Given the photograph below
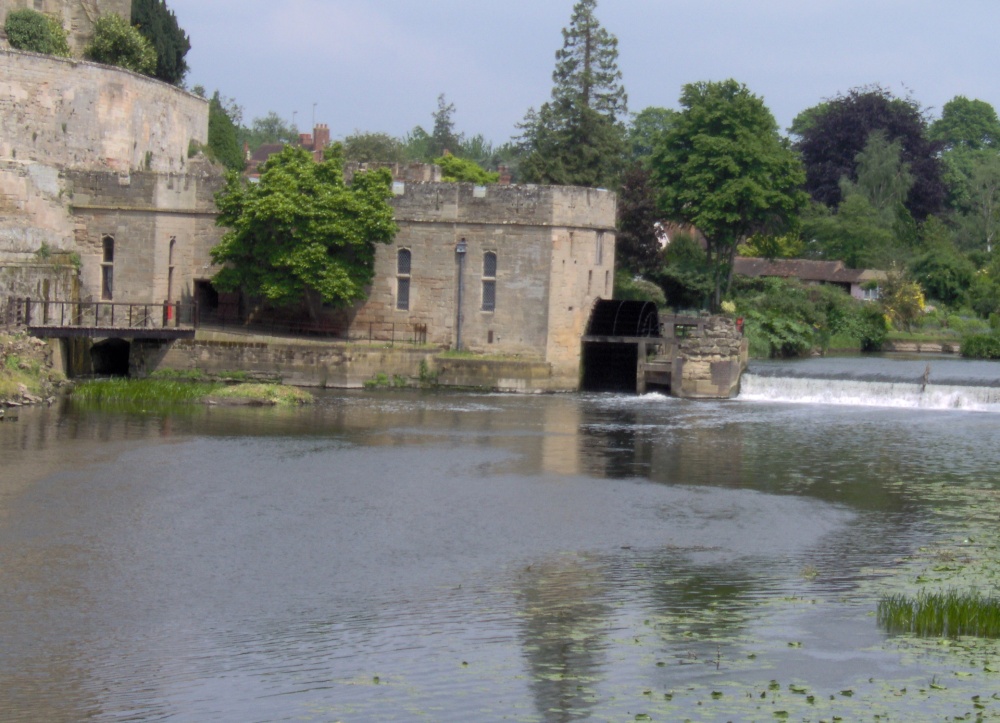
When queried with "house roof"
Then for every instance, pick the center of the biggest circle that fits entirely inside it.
(805, 269)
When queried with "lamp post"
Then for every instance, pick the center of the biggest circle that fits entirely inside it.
(460, 248)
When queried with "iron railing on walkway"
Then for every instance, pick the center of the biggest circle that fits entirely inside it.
(99, 315)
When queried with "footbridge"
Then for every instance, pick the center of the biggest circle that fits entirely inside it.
(103, 319)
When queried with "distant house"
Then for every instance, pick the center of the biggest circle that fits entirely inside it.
(860, 283)
(314, 142)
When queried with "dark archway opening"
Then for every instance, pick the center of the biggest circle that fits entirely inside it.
(610, 367)
(110, 357)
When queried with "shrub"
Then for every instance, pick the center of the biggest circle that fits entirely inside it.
(981, 346)
(118, 43)
(35, 32)
(636, 288)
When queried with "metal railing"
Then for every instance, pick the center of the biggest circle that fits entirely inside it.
(101, 314)
(390, 333)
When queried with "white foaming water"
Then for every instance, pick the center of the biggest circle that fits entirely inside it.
(852, 392)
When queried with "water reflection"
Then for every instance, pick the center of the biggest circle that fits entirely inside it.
(447, 556)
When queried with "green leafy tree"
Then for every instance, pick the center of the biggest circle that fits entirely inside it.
(856, 234)
(223, 135)
(462, 170)
(36, 32)
(272, 128)
(118, 43)
(158, 25)
(683, 273)
(301, 235)
(773, 246)
(723, 168)
(883, 178)
(373, 147)
(646, 127)
(418, 145)
(901, 298)
(578, 137)
(974, 181)
(969, 124)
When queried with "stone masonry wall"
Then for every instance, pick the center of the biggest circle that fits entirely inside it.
(162, 226)
(709, 366)
(79, 115)
(77, 16)
(550, 268)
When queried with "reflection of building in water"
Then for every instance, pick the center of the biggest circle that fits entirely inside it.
(564, 631)
(700, 452)
(560, 437)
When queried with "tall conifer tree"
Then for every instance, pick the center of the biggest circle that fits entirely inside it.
(578, 137)
(158, 24)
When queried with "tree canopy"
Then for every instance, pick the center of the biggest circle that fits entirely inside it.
(223, 135)
(832, 134)
(723, 168)
(271, 128)
(578, 138)
(158, 25)
(301, 235)
(964, 123)
(463, 170)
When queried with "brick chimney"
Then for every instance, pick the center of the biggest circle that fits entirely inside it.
(505, 176)
(321, 136)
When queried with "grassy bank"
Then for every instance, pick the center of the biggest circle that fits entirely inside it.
(129, 393)
(26, 373)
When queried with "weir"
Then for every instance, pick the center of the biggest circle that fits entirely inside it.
(905, 383)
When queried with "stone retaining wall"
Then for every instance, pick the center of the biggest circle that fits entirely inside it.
(709, 366)
(339, 365)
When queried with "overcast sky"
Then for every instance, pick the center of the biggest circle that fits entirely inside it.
(379, 65)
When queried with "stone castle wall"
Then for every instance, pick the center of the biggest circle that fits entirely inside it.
(80, 115)
(77, 16)
(550, 268)
(162, 224)
(88, 151)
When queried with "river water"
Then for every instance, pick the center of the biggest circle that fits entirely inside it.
(404, 556)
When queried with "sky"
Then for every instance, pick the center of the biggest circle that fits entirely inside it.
(380, 65)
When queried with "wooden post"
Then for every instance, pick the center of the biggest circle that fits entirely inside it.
(27, 311)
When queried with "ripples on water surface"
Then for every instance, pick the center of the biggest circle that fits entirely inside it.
(406, 556)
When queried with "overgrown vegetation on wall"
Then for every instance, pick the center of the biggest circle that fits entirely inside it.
(36, 32)
(118, 43)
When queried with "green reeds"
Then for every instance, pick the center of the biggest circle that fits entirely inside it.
(140, 392)
(945, 614)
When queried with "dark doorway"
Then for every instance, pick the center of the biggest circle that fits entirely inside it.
(610, 367)
(109, 358)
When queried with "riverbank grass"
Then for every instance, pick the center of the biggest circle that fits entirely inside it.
(165, 392)
(941, 614)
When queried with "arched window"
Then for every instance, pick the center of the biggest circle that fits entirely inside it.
(107, 267)
(489, 281)
(403, 279)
